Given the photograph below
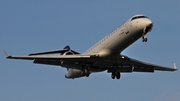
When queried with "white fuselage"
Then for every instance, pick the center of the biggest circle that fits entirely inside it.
(121, 38)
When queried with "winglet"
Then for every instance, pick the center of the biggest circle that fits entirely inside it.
(175, 67)
(5, 54)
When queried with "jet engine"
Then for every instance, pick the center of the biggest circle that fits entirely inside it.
(74, 69)
(74, 73)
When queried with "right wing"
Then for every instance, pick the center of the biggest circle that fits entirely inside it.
(32, 57)
(55, 60)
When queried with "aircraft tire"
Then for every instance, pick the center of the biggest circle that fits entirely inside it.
(118, 75)
(145, 40)
(113, 75)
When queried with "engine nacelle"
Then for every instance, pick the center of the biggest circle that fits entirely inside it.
(73, 68)
(73, 73)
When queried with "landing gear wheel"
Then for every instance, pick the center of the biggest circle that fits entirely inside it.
(118, 75)
(87, 75)
(113, 75)
(144, 40)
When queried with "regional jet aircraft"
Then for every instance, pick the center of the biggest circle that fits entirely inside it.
(105, 55)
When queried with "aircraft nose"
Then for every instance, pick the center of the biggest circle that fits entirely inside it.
(149, 25)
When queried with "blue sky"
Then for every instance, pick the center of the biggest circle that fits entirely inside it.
(42, 25)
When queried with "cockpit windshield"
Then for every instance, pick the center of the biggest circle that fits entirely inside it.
(137, 17)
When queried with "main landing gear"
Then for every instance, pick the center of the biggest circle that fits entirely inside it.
(86, 71)
(116, 75)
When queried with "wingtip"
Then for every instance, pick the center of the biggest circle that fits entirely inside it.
(6, 55)
(175, 67)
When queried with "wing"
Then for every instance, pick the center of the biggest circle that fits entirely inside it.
(140, 66)
(32, 57)
(54, 60)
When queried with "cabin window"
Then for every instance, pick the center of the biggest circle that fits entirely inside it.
(127, 32)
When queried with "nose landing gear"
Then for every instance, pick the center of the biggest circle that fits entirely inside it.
(144, 39)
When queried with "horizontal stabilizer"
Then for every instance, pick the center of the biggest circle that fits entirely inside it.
(54, 52)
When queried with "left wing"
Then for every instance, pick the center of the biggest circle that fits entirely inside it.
(139, 66)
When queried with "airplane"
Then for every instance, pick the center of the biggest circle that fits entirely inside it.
(105, 55)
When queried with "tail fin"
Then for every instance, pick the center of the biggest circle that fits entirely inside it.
(67, 47)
